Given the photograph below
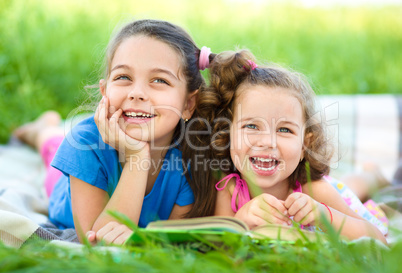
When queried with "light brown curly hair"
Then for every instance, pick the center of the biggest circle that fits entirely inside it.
(230, 70)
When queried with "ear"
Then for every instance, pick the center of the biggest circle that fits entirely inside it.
(102, 87)
(189, 107)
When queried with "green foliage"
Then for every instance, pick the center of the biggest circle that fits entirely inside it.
(241, 256)
(236, 254)
(50, 50)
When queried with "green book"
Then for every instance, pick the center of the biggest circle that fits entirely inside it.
(212, 228)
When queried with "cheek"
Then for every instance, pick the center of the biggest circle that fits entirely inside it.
(293, 149)
(170, 105)
(238, 149)
(235, 140)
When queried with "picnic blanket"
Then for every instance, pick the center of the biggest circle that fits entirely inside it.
(364, 128)
(23, 202)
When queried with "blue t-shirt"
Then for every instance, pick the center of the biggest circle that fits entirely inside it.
(84, 155)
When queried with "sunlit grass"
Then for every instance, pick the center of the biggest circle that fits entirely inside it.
(49, 50)
(237, 256)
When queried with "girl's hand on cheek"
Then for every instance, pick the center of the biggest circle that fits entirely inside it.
(112, 133)
(263, 209)
(302, 207)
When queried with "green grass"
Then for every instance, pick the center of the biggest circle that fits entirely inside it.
(49, 50)
(237, 256)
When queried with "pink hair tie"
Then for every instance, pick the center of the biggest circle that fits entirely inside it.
(203, 60)
(252, 65)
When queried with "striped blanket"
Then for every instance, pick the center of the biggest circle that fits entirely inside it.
(364, 128)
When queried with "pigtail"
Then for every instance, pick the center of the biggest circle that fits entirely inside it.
(227, 72)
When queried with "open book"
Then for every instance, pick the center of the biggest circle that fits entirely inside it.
(212, 228)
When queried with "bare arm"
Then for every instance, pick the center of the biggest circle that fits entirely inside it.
(178, 212)
(87, 203)
(223, 206)
(90, 204)
(352, 226)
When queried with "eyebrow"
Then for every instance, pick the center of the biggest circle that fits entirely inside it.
(165, 71)
(155, 70)
(245, 119)
(119, 66)
(289, 122)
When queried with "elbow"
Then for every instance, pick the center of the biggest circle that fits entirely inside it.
(370, 231)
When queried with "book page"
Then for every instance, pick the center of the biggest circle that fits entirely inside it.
(287, 233)
(218, 223)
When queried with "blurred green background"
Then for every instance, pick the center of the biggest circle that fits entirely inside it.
(51, 49)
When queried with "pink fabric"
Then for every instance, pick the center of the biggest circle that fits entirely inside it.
(241, 192)
(252, 64)
(48, 150)
(203, 60)
(298, 187)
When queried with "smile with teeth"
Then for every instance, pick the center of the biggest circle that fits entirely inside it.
(264, 164)
(139, 115)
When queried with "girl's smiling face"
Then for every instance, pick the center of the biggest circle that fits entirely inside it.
(266, 136)
(147, 83)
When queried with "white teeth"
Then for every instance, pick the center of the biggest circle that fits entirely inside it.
(139, 114)
(263, 159)
(265, 169)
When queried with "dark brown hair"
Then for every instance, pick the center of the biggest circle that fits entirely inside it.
(180, 41)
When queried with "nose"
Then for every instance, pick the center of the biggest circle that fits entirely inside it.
(137, 92)
(267, 140)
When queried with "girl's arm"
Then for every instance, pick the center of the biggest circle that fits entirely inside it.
(223, 205)
(87, 203)
(343, 217)
(90, 204)
(262, 209)
(116, 233)
(178, 212)
(130, 191)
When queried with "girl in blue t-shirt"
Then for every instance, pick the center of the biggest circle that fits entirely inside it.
(126, 157)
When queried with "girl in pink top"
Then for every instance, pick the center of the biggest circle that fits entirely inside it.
(266, 127)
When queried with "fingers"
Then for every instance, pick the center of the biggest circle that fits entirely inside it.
(91, 236)
(276, 209)
(301, 207)
(114, 124)
(108, 127)
(295, 202)
(113, 233)
(101, 119)
(266, 208)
